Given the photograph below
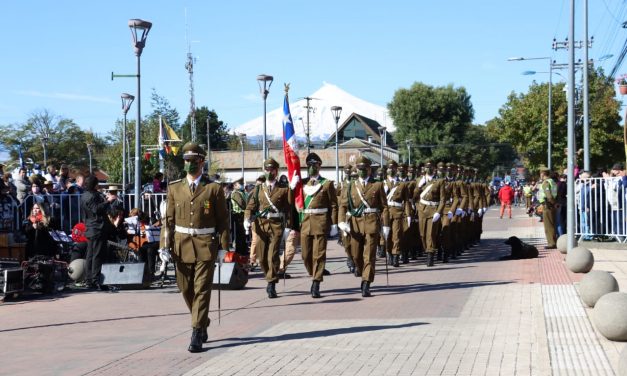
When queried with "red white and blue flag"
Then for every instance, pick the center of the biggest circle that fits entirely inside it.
(290, 150)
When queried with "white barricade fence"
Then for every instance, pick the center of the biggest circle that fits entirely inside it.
(601, 205)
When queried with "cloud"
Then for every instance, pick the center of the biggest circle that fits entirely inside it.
(65, 96)
(255, 98)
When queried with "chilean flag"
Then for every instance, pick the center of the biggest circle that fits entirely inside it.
(290, 150)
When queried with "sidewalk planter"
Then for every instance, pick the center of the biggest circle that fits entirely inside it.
(596, 284)
(562, 243)
(610, 316)
(579, 260)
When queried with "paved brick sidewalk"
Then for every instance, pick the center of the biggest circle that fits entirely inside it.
(474, 316)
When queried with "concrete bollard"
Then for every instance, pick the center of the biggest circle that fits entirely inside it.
(579, 260)
(596, 284)
(562, 243)
(610, 316)
(622, 362)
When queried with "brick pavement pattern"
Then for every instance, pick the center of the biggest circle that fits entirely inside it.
(477, 315)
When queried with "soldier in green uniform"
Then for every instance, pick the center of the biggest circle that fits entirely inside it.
(460, 213)
(270, 209)
(451, 200)
(399, 209)
(319, 216)
(363, 212)
(411, 237)
(430, 194)
(196, 216)
(238, 205)
(547, 198)
(345, 236)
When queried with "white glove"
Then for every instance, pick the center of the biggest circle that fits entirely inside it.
(459, 212)
(295, 180)
(164, 255)
(485, 210)
(408, 221)
(333, 231)
(286, 233)
(247, 226)
(344, 227)
(436, 217)
(386, 232)
(480, 212)
(449, 215)
(463, 214)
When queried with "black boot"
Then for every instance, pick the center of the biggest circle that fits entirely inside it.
(454, 254)
(350, 264)
(396, 261)
(439, 255)
(406, 257)
(445, 254)
(196, 343)
(205, 335)
(365, 289)
(315, 289)
(357, 272)
(271, 290)
(380, 252)
(430, 258)
(414, 254)
(390, 259)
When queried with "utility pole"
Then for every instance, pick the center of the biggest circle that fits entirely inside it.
(307, 128)
(189, 65)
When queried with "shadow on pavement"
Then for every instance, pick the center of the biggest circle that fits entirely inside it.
(313, 334)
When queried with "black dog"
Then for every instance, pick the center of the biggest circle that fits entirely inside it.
(520, 249)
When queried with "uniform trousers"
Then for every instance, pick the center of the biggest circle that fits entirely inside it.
(269, 235)
(195, 281)
(364, 248)
(393, 242)
(314, 248)
(429, 231)
(548, 217)
(446, 232)
(290, 249)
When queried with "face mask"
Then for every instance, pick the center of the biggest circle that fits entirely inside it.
(403, 174)
(191, 167)
(362, 173)
(312, 170)
(391, 172)
(270, 175)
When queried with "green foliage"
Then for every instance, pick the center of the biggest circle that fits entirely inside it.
(218, 133)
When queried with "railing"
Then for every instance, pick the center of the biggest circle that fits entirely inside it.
(600, 208)
(65, 208)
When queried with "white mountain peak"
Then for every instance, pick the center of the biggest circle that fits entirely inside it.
(321, 121)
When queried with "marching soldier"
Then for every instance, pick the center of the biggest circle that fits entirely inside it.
(195, 217)
(345, 236)
(430, 195)
(411, 236)
(459, 219)
(238, 205)
(546, 197)
(363, 212)
(319, 215)
(270, 209)
(400, 212)
(451, 200)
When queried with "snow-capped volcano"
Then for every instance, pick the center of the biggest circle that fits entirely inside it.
(321, 122)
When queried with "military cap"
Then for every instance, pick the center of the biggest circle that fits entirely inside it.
(240, 180)
(348, 166)
(192, 150)
(313, 158)
(402, 166)
(451, 165)
(411, 168)
(363, 162)
(270, 163)
(392, 163)
(441, 165)
(428, 163)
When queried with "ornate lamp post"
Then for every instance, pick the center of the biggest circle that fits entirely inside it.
(90, 146)
(336, 111)
(382, 137)
(265, 82)
(127, 100)
(242, 137)
(139, 32)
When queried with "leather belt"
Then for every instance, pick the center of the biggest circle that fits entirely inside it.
(395, 204)
(429, 203)
(371, 210)
(195, 231)
(272, 215)
(316, 211)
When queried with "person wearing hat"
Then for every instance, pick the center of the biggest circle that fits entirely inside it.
(430, 197)
(195, 218)
(364, 212)
(547, 198)
(270, 210)
(411, 237)
(318, 217)
(399, 209)
(345, 236)
(451, 200)
(116, 202)
(239, 197)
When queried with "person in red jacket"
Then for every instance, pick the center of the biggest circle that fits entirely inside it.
(506, 195)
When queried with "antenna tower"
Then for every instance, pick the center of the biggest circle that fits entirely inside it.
(189, 65)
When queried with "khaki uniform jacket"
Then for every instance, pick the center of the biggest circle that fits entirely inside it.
(451, 198)
(411, 189)
(204, 209)
(434, 194)
(400, 195)
(238, 202)
(282, 199)
(375, 197)
(323, 198)
(462, 196)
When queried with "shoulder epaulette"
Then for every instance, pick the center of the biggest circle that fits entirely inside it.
(175, 181)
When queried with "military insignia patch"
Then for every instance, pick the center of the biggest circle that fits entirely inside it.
(207, 205)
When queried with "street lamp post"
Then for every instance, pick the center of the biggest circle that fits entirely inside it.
(381, 138)
(242, 136)
(44, 144)
(139, 32)
(265, 82)
(336, 111)
(90, 145)
(408, 142)
(127, 100)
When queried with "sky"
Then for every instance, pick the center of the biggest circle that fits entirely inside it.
(59, 55)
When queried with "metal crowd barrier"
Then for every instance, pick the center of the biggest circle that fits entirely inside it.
(601, 205)
(65, 208)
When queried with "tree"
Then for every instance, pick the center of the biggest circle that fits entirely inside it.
(218, 133)
(429, 115)
(523, 121)
(66, 141)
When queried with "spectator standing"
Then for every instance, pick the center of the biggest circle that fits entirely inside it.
(22, 185)
(506, 195)
(583, 195)
(36, 227)
(615, 195)
(64, 178)
(52, 176)
(157, 183)
(560, 207)
(546, 197)
(7, 179)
